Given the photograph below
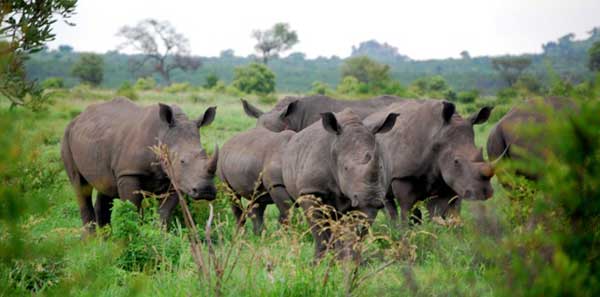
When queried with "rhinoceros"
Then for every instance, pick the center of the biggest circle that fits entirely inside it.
(339, 161)
(297, 113)
(505, 141)
(107, 148)
(431, 153)
(250, 165)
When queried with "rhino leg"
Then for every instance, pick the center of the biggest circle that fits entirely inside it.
(129, 187)
(404, 192)
(391, 209)
(86, 209)
(283, 202)
(257, 213)
(166, 208)
(238, 210)
(318, 227)
(102, 207)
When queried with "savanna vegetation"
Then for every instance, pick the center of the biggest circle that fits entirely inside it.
(533, 238)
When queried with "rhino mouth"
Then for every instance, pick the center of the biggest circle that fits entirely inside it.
(484, 194)
(207, 194)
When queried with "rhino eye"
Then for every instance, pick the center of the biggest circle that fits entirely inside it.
(182, 161)
(456, 162)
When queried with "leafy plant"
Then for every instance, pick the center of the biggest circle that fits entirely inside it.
(255, 78)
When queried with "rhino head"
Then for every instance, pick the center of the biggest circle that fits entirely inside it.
(356, 157)
(283, 117)
(193, 170)
(460, 162)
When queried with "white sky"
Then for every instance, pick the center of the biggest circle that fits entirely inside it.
(421, 29)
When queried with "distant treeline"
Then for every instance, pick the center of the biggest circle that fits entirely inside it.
(295, 73)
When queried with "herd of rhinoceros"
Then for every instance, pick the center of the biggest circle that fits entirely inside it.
(362, 155)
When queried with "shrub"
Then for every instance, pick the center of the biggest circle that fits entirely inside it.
(220, 87)
(147, 246)
(267, 99)
(349, 85)
(53, 83)
(366, 71)
(254, 78)
(434, 86)
(145, 83)
(127, 90)
(394, 87)
(177, 88)
(320, 88)
(507, 94)
(211, 81)
(89, 69)
(467, 97)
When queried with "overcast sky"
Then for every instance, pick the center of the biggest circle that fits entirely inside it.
(421, 29)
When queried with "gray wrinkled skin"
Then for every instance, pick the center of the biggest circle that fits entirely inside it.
(242, 160)
(339, 161)
(504, 136)
(107, 148)
(297, 113)
(431, 153)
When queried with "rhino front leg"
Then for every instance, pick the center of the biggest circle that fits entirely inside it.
(283, 202)
(166, 208)
(102, 208)
(404, 192)
(129, 189)
(391, 209)
(318, 226)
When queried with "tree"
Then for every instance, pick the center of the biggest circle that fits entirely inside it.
(25, 27)
(160, 46)
(511, 68)
(465, 55)
(89, 68)
(366, 70)
(272, 42)
(378, 51)
(65, 48)
(594, 57)
(254, 78)
(211, 81)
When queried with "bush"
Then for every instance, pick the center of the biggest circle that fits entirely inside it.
(554, 250)
(396, 88)
(147, 246)
(127, 90)
(89, 69)
(255, 78)
(177, 88)
(349, 85)
(220, 87)
(507, 94)
(320, 88)
(53, 83)
(145, 83)
(211, 81)
(367, 71)
(467, 97)
(434, 86)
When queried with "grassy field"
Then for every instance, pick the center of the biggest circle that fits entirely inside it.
(446, 258)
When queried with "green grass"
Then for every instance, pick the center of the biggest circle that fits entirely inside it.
(448, 260)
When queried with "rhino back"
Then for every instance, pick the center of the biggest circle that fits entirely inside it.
(111, 139)
(306, 162)
(403, 147)
(244, 157)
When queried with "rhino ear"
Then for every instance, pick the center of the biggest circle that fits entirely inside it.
(386, 125)
(207, 118)
(250, 110)
(289, 109)
(481, 116)
(448, 111)
(330, 123)
(166, 114)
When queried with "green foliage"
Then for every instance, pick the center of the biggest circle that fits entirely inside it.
(127, 90)
(271, 42)
(553, 250)
(53, 83)
(24, 29)
(320, 88)
(375, 75)
(507, 94)
(529, 85)
(175, 88)
(594, 57)
(89, 69)
(254, 78)
(433, 87)
(145, 83)
(147, 246)
(467, 97)
(349, 85)
(511, 68)
(211, 81)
